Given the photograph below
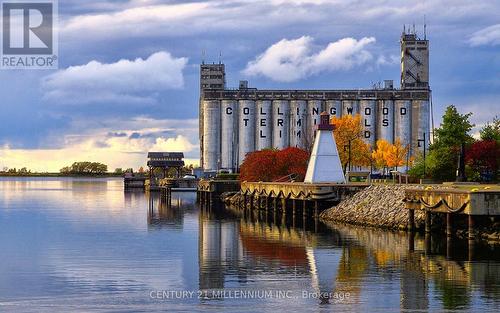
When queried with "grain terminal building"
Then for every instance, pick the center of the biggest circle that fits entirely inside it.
(234, 122)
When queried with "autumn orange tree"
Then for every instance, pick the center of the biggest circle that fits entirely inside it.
(387, 155)
(349, 128)
(271, 164)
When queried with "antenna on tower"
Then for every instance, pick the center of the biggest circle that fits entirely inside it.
(425, 29)
(404, 28)
(414, 32)
(220, 57)
(203, 56)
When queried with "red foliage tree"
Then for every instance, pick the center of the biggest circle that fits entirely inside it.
(269, 165)
(483, 156)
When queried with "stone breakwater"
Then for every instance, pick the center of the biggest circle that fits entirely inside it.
(375, 206)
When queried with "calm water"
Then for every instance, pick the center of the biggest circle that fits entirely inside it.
(81, 245)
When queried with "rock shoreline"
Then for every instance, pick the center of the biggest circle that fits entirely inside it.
(376, 206)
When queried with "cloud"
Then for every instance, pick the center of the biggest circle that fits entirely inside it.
(390, 60)
(176, 144)
(486, 36)
(116, 142)
(126, 81)
(292, 60)
(146, 18)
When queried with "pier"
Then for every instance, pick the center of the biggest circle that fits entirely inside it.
(134, 182)
(285, 198)
(313, 198)
(452, 202)
(210, 190)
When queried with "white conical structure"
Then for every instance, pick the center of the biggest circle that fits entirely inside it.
(324, 164)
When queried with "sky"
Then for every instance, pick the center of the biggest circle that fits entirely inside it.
(128, 72)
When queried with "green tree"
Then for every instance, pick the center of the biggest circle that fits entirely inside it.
(442, 163)
(442, 159)
(491, 131)
(455, 129)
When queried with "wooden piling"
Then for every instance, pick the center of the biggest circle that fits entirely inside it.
(411, 241)
(427, 244)
(427, 221)
(449, 247)
(411, 220)
(471, 227)
(449, 224)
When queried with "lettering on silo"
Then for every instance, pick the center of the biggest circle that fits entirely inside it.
(368, 112)
(246, 111)
(299, 123)
(386, 120)
(385, 113)
(262, 124)
(280, 122)
(315, 111)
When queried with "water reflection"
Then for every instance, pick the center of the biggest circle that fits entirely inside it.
(340, 259)
(169, 214)
(64, 242)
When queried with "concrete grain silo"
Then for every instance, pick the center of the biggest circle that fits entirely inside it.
(246, 123)
(298, 124)
(350, 107)
(402, 121)
(334, 108)
(314, 109)
(229, 135)
(420, 125)
(264, 124)
(385, 120)
(211, 134)
(281, 124)
(368, 111)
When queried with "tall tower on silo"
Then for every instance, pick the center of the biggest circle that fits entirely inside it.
(212, 77)
(414, 61)
(415, 76)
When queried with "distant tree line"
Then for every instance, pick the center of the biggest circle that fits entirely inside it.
(85, 168)
(15, 172)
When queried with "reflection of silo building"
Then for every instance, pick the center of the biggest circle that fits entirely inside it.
(234, 122)
(219, 246)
